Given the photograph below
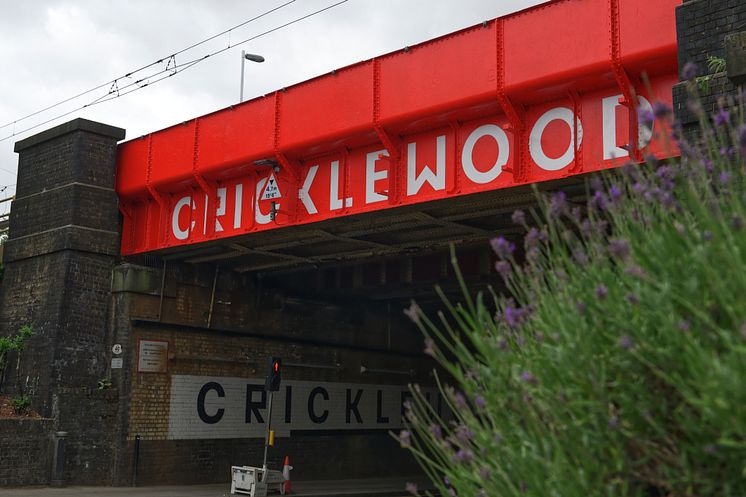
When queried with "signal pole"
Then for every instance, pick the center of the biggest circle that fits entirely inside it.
(269, 429)
(271, 385)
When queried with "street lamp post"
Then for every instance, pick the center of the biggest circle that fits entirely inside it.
(244, 57)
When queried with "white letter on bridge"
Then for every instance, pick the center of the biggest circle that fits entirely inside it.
(334, 201)
(644, 134)
(371, 176)
(534, 139)
(303, 192)
(178, 232)
(467, 161)
(436, 179)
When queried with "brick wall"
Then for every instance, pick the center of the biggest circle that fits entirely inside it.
(701, 26)
(63, 241)
(25, 451)
(242, 335)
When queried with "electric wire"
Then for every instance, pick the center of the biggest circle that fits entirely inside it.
(171, 71)
(115, 81)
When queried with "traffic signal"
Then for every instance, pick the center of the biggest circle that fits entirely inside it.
(274, 368)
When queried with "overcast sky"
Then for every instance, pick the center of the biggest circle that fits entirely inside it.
(54, 49)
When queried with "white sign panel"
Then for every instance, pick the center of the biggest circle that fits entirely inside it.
(117, 363)
(153, 356)
(272, 190)
(219, 407)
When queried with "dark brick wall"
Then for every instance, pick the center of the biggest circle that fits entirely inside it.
(64, 239)
(89, 416)
(701, 26)
(25, 451)
(247, 326)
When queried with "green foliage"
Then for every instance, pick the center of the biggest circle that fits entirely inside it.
(14, 343)
(104, 384)
(21, 403)
(616, 365)
(714, 66)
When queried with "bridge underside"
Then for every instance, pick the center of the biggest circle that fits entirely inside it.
(395, 254)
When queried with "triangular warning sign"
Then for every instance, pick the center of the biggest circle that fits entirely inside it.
(271, 189)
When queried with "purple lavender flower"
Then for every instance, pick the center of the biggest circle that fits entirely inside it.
(601, 291)
(645, 117)
(413, 312)
(479, 402)
(429, 347)
(502, 247)
(528, 378)
(619, 248)
(412, 488)
(502, 344)
(722, 117)
(632, 299)
(625, 342)
(727, 152)
(512, 316)
(504, 268)
(518, 217)
(459, 400)
(598, 201)
(689, 72)
(614, 193)
(558, 204)
(737, 222)
(710, 448)
(684, 325)
(724, 177)
(707, 235)
(452, 492)
(636, 271)
(436, 431)
(405, 438)
(580, 256)
(464, 434)
(534, 237)
(613, 423)
(580, 306)
(661, 110)
(464, 456)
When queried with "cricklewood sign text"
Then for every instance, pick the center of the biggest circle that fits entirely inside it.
(219, 407)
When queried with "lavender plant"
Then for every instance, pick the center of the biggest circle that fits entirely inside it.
(615, 363)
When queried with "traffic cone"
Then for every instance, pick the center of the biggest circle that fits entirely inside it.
(286, 467)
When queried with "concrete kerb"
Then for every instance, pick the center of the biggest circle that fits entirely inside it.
(324, 488)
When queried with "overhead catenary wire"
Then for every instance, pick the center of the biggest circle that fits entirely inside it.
(112, 84)
(168, 72)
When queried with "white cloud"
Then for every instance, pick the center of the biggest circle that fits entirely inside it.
(52, 49)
